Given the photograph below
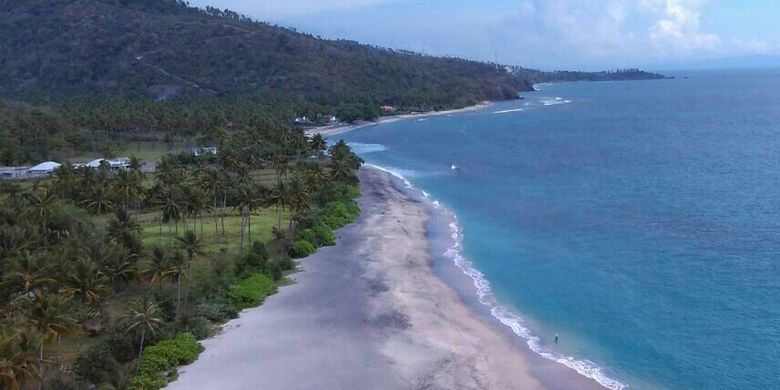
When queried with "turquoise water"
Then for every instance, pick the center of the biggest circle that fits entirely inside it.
(638, 220)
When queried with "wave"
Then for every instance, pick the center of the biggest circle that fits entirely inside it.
(504, 315)
(360, 148)
(555, 101)
(508, 111)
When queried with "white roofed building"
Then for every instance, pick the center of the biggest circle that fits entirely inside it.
(44, 168)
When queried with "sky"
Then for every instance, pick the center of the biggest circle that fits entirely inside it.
(545, 34)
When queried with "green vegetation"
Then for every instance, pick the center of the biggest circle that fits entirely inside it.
(251, 291)
(159, 364)
(108, 278)
(193, 53)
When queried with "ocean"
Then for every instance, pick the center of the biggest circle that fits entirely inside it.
(637, 220)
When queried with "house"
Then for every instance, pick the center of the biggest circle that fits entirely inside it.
(13, 172)
(204, 151)
(113, 164)
(44, 168)
(119, 163)
(94, 164)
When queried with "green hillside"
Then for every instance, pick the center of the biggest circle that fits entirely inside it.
(162, 48)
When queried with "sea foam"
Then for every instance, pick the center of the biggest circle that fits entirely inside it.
(486, 297)
(508, 111)
(360, 148)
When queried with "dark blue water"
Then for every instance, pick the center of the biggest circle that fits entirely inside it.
(638, 220)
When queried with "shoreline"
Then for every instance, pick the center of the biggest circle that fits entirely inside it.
(341, 128)
(369, 312)
(450, 265)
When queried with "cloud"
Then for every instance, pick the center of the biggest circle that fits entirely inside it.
(678, 29)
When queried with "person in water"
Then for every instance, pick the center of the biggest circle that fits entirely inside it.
(556, 338)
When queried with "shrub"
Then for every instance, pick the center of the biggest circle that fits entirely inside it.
(96, 365)
(199, 327)
(285, 263)
(251, 291)
(307, 235)
(339, 213)
(324, 235)
(301, 248)
(216, 311)
(121, 346)
(273, 271)
(159, 359)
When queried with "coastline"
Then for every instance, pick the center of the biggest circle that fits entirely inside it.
(341, 128)
(369, 312)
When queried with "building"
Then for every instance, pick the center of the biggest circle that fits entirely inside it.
(44, 168)
(204, 151)
(13, 172)
(113, 164)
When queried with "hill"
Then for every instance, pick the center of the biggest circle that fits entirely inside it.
(159, 48)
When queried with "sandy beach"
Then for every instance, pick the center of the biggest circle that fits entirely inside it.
(370, 313)
(341, 128)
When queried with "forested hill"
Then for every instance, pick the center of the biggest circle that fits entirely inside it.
(160, 48)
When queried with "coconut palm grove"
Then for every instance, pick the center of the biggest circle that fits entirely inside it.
(109, 278)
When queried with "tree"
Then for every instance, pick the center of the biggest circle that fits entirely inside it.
(248, 199)
(85, 281)
(192, 246)
(42, 201)
(18, 362)
(177, 265)
(50, 316)
(158, 268)
(144, 316)
(298, 200)
(128, 186)
(99, 199)
(26, 273)
(124, 230)
(318, 144)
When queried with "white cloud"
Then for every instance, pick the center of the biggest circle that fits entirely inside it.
(678, 30)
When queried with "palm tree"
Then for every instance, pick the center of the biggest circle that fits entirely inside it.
(169, 200)
(211, 180)
(315, 178)
(248, 198)
(128, 186)
(64, 179)
(342, 171)
(178, 264)
(125, 230)
(18, 362)
(144, 316)
(298, 200)
(99, 199)
(49, 315)
(85, 281)
(318, 144)
(41, 200)
(158, 268)
(278, 197)
(192, 246)
(26, 273)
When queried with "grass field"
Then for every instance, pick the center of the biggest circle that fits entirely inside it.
(214, 241)
(144, 150)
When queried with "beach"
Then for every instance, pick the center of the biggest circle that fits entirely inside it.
(368, 313)
(341, 128)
